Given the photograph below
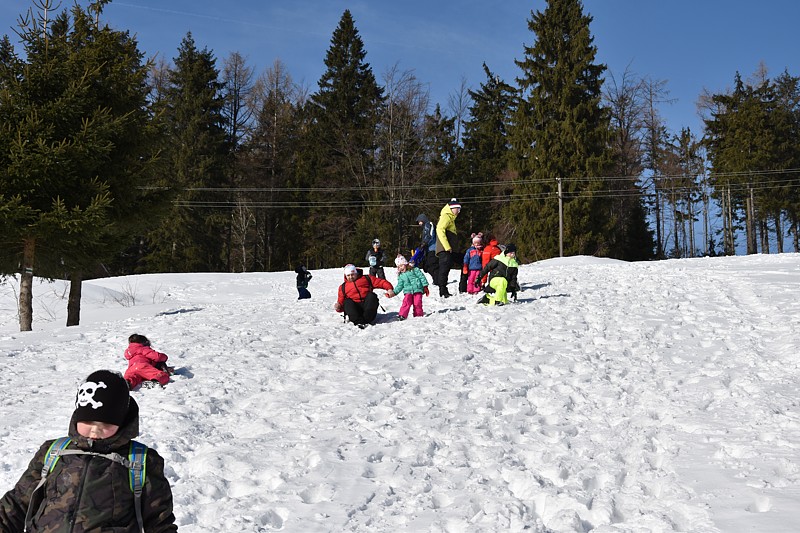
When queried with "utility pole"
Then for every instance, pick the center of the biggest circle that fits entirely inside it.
(560, 220)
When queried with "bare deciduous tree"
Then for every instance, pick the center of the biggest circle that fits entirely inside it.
(458, 103)
(400, 137)
(655, 142)
(626, 100)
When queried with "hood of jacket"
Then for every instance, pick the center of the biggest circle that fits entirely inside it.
(423, 218)
(447, 212)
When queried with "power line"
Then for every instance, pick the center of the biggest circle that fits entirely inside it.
(416, 202)
(497, 183)
(660, 185)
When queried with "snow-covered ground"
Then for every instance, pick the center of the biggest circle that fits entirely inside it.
(611, 397)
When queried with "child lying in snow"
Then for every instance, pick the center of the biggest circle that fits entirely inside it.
(145, 365)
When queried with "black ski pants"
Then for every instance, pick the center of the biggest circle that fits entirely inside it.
(362, 312)
(377, 271)
(430, 264)
(445, 262)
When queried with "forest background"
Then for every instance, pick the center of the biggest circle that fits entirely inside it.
(114, 163)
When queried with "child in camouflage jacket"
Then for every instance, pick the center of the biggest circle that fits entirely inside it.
(85, 490)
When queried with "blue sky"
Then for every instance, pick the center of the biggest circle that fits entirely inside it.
(692, 45)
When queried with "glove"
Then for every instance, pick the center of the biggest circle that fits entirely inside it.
(426, 291)
(477, 283)
(337, 307)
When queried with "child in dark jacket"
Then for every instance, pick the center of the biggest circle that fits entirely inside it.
(374, 259)
(303, 277)
(413, 283)
(88, 487)
(145, 365)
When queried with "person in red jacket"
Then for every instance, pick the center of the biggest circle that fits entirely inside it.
(145, 365)
(488, 253)
(357, 298)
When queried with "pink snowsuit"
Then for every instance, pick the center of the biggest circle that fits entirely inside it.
(140, 365)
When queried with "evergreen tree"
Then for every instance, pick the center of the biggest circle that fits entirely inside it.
(787, 121)
(486, 149)
(193, 234)
(73, 126)
(745, 137)
(443, 164)
(442, 149)
(561, 132)
(345, 113)
(120, 86)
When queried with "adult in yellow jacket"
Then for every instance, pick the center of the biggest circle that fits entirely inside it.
(446, 241)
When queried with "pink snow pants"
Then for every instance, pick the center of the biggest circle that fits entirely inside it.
(139, 372)
(471, 288)
(414, 299)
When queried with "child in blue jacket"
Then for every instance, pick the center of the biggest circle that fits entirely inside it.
(413, 283)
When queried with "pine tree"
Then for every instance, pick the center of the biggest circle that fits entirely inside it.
(345, 113)
(560, 132)
(193, 234)
(444, 164)
(440, 139)
(787, 122)
(74, 147)
(120, 86)
(486, 149)
(745, 138)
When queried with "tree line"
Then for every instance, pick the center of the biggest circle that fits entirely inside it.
(112, 164)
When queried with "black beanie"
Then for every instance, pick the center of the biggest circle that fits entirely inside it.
(103, 397)
(510, 248)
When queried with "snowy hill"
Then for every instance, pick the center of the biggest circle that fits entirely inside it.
(611, 397)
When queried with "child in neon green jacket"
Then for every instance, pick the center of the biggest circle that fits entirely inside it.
(502, 271)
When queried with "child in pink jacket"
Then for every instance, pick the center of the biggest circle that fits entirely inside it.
(145, 365)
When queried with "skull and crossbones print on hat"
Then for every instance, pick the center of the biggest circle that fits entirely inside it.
(102, 397)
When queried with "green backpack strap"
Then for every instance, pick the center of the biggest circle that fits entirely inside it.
(53, 454)
(50, 460)
(137, 459)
